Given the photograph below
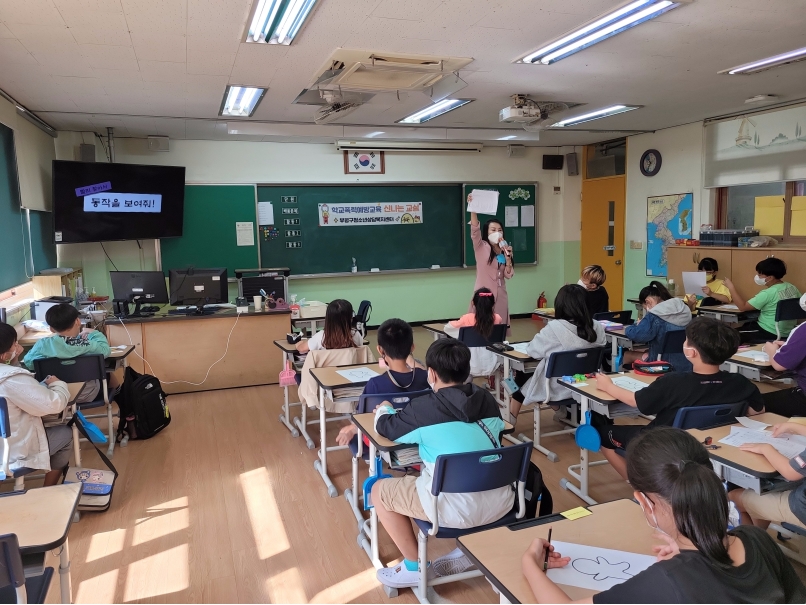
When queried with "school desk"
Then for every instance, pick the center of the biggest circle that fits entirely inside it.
(311, 324)
(728, 313)
(545, 315)
(41, 519)
(181, 348)
(330, 382)
(619, 525)
(510, 360)
(368, 528)
(745, 469)
(31, 337)
(437, 330)
(754, 370)
(617, 338)
(598, 402)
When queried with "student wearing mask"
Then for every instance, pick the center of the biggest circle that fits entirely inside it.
(493, 261)
(770, 274)
(715, 292)
(699, 560)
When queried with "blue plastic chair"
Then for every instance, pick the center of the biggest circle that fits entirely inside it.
(5, 432)
(672, 343)
(472, 472)
(622, 317)
(788, 309)
(709, 416)
(82, 369)
(368, 403)
(471, 337)
(14, 587)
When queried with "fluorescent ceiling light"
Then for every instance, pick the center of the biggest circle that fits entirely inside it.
(507, 138)
(609, 25)
(594, 115)
(768, 63)
(432, 111)
(278, 21)
(241, 101)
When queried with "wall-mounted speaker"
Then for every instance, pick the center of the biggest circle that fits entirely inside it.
(86, 152)
(553, 162)
(571, 163)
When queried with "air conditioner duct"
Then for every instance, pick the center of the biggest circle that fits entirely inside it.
(408, 146)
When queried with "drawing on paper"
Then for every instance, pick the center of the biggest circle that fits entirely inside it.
(601, 569)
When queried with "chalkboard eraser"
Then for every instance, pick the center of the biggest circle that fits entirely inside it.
(435, 266)
(375, 270)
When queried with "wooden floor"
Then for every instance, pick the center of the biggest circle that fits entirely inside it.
(225, 506)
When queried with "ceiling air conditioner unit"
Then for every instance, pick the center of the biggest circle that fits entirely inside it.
(331, 113)
(408, 146)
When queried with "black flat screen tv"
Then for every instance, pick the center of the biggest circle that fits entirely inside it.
(98, 202)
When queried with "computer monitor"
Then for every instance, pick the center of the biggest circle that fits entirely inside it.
(198, 287)
(138, 287)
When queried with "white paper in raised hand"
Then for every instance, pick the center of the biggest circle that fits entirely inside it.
(693, 282)
(596, 568)
(484, 201)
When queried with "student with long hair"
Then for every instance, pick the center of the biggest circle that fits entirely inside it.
(493, 261)
(699, 560)
(482, 316)
(664, 313)
(592, 279)
(572, 329)
(338, 333)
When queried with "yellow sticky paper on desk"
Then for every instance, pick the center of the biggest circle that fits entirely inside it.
(576, 513)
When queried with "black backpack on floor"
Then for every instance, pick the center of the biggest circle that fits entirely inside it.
(143, 408)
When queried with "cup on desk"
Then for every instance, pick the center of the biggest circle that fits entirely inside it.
(258, 302)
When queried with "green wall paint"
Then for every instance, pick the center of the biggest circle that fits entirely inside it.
(635, 276)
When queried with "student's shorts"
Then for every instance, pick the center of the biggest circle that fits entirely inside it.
(89, 392)
(60, 440)
(770, 507)
(399, 495)
(616, 436)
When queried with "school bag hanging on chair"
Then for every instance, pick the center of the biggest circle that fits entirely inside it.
(143, 407)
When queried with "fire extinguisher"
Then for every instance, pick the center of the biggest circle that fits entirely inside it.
(541, 301)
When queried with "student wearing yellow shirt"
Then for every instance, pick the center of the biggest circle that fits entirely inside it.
(715, 292)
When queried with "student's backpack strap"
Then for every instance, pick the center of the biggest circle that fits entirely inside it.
(489, 434)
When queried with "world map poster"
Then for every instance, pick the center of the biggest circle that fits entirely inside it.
(668, 218)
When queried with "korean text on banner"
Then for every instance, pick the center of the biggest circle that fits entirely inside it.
(123, 202)
(379, 213)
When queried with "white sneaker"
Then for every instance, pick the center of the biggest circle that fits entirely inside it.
(454, 562)
(400, 577)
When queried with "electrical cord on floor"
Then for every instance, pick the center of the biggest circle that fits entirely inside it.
(195, 384)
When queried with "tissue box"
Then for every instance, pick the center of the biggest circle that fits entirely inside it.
(313, 308)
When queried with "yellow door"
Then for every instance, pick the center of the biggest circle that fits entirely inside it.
(603, 207)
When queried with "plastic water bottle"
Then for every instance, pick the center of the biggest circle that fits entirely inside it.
(672, 287)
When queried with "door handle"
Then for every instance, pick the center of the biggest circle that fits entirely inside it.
(618, 262)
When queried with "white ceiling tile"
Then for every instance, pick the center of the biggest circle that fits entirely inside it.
(43, 38)
(68, 62)
(96, 7)
(411, 9)
(5, 32)
(163, 19)
(221, 11)
(104, 56)
(92, 103)
(13, 51)
(224, 43)
(35, 12)
(117, 74)
(155, 46)
(124, 88)
(162, 71)
(101, 35)
(204, 83)
(210, 63)
(80, 86)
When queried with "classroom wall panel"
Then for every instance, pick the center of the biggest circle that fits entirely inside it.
(412, 296)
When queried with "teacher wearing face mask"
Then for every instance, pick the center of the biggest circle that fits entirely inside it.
(493, 260)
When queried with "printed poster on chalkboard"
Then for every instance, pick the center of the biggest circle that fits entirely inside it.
(374, 213)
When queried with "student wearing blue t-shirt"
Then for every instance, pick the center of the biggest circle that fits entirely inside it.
(395, 347)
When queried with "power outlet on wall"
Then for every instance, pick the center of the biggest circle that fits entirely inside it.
(636, 245)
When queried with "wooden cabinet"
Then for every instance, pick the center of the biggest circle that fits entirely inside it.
(56, 285)
(738, 264)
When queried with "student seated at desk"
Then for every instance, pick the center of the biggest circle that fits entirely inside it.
(338, 332)
(572, 329)
(445, 422)
(483, 317)
(664, 313)
(789, 356)
(770, 274)
(395, 348)
(70, 341)
(699, 560)
(709, 343)
(596, 298)
(31, 444)
(715, 292)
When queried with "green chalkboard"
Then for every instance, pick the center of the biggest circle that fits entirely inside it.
(208, 235)
(318, 249)
(522, 239)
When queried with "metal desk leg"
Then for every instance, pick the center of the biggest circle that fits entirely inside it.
(76, 437)
(285, 417)
(321, 463)
(302, 425)
(583, 466)
(65, 582)
(614, 353)
(351, 493)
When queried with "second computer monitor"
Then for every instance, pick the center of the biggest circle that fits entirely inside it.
(145, 287)
(198, 286)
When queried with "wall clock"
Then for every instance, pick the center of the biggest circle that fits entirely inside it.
(650, 162)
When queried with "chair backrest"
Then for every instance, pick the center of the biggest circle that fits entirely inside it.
(5, 433)
(480, 471)
(789, 309)
(708, 416)
(622, 317)
(471, 337)
(368, 403)
(78, 369)
(11, 571)
(672, 342)
(578, 361)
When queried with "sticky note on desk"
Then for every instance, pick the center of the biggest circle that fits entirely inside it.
(576, 513)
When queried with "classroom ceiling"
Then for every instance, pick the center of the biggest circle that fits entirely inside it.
(160, 67)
